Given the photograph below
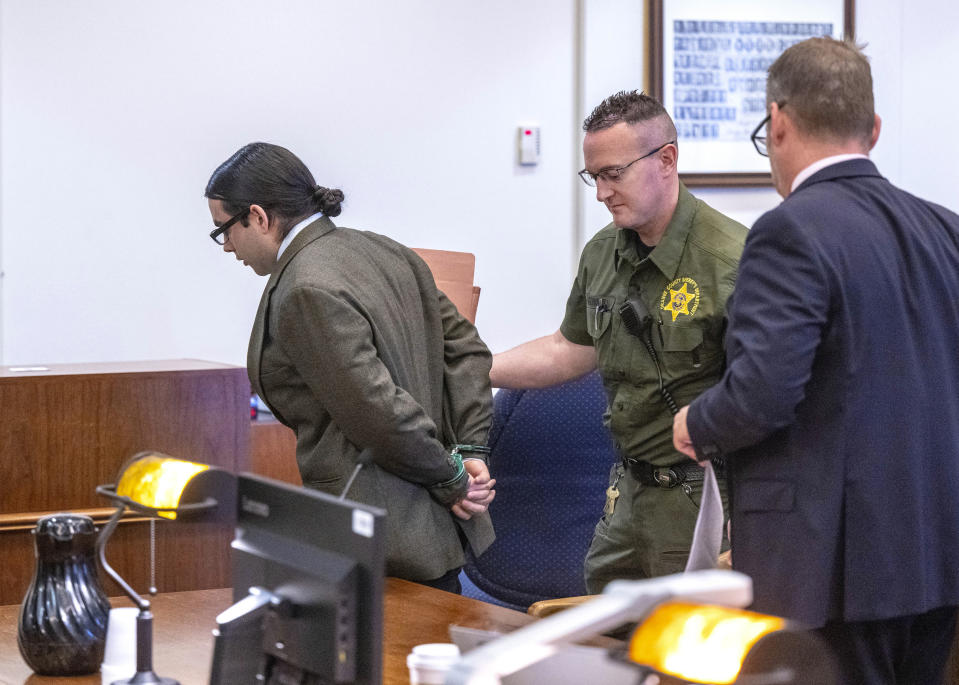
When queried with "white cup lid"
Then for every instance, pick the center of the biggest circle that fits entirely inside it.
(433, 655)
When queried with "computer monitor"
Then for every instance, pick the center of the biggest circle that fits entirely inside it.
(308, 572)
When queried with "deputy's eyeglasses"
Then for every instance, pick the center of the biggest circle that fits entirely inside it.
(220, 234)
(759, 141)
(614, 174)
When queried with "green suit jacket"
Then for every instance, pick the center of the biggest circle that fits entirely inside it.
(355, 349)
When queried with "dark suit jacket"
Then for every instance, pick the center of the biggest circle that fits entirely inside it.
(355, 349)
(839, 409)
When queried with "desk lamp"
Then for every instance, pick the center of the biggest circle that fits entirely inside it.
(678, 639)
(716, 645)
(157, 485)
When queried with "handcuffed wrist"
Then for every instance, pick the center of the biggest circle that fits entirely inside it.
(449, 492)
(470, 452)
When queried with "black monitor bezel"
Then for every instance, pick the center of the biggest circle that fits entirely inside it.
(350, 530)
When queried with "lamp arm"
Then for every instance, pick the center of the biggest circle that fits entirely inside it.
(144, 649)
(622, 601)
(142, 604)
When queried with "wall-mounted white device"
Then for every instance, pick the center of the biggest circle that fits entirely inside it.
(528, 140)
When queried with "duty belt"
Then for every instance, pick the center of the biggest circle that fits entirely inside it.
(669, 476)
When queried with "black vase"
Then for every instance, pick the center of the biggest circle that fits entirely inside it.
(63, 618)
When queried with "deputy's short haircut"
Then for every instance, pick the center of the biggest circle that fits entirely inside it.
(827, 87)
(631, 107)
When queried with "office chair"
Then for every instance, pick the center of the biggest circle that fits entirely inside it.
(550, 455)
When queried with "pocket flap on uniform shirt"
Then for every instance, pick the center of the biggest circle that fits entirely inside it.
(598, 314)
(681, 338)
(765, 495)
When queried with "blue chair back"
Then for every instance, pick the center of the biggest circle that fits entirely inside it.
(550, 455)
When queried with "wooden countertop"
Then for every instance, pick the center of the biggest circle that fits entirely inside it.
(183, 642)
(95, 368)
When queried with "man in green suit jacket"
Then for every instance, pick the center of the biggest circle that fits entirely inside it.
(358, 352)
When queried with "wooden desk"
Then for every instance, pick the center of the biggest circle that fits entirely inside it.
(183, 622)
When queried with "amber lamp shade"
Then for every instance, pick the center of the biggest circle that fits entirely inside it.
(715, 645)
(158, 482)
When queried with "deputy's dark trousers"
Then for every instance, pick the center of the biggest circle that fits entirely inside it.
(648, 533)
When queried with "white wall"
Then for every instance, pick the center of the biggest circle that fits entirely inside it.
(912, 49)
(879, 25)
(113, 114)
(613, 60)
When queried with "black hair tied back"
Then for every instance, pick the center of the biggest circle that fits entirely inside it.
(328, 200)
(274, 178)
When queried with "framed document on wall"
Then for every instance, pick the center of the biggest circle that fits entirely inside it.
(707, 64)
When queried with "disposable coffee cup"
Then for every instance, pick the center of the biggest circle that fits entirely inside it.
(429, 663)
(120, 652)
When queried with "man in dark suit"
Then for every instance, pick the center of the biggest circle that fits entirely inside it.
(838, 413)
(356, 350)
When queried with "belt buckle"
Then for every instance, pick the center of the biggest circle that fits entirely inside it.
(667, 478)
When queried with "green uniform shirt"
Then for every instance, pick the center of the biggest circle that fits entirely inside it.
(684, 283)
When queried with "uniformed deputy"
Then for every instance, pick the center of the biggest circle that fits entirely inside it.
(648, 308)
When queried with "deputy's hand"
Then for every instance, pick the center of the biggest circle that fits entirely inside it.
(479, 493)
(681, 439)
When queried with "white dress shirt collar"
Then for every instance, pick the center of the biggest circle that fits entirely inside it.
(296, 229)
(821, 164)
